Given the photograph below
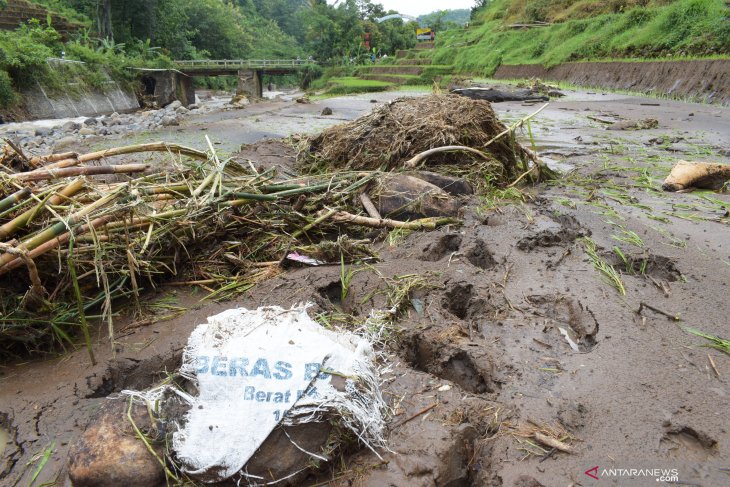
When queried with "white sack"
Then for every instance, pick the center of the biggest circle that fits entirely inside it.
(257, 368)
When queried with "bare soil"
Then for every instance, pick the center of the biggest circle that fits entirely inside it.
(702, 79)
(480, 353)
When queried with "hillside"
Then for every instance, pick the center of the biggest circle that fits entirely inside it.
(582, 30)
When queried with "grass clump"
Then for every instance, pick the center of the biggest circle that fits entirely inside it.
(715, 342)
(609, 273)
(350, 85)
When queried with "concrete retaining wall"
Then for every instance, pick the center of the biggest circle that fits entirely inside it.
(39, 104)
(706, 80)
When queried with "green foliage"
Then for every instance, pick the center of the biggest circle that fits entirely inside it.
(23, 52)
(7, 95)
(679, 28)
(453, 18)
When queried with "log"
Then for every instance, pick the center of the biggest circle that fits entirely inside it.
(498, 96)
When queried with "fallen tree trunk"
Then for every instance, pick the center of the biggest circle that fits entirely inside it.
(497, 96)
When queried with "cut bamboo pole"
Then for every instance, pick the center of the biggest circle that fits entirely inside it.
(422, 224)
(56, 242)
(14, 198)
(129, 149)
(58, 228)
(22, 220)
(66, 172)
(39, 161)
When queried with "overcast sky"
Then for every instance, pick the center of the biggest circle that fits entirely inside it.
(420, 7)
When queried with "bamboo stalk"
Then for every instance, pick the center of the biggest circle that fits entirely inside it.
(58, 228)
(45, 174)
(14, 198)
(22, 220)
(422, 224)
(56, 242)
(367, 203)
(130, 149)
(38, 161)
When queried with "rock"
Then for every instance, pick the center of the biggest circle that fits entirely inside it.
(303, 99)
(87, 131)
(407, 197)
(169, 120)
(647, 123)
(194, 106)
(64, 142)
(373, 101)
(174, 105)
(278, 458)
(103, 131)
(181, 110)
(109, 122)
(109, 453)
(452, 185)
(327, 111)
(555, 94)
(134, 127)
(239, 100)
(703, 175)
(43, 131)
(70, 126)
(90, 122)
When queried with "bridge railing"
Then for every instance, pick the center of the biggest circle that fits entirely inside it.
(240, 63)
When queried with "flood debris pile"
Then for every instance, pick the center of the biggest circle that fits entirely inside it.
(78, 233)
(71, 243)
(394, 134)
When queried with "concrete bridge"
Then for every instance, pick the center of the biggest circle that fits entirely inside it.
(166, 85)
(249, 71)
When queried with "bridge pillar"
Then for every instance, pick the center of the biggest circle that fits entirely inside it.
(249, 83)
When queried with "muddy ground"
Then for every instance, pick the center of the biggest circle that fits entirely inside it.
(480, 353)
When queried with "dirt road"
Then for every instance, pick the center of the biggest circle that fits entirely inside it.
(482, 356)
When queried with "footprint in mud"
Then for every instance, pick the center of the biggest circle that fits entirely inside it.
(463, 302)
(470, 368)
(687, 443)
(582, 326)
(332, 292)
(10, 450)
(457, 299)
(445, 244)
(127, 373)
(480, 256)
(569, 231)
(646, 264)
